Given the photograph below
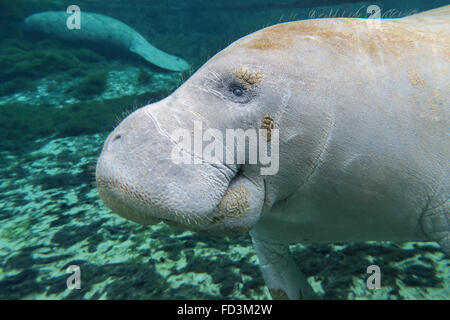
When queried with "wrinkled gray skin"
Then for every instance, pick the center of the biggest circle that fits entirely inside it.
(107, 31)
(363, 118)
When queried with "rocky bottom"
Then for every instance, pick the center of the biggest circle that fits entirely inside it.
(51, 218)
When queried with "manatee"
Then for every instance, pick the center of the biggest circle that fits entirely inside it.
(102, 30)
(361, 110)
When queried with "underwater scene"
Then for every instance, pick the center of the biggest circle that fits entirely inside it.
(99, 201)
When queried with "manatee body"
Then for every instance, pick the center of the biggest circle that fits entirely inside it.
(102, 30)
(362, 112)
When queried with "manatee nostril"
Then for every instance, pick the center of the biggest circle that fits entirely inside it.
(112, 141)
(116, 137)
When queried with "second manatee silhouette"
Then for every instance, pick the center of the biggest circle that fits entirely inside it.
(104, 30)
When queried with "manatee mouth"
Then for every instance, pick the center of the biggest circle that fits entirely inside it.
(114, 195)
(139, 180)
(133, 202)
(237, 211)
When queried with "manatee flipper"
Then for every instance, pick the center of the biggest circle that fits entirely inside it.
(158, 57)
(280, 272)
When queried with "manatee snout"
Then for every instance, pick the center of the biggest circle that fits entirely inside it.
(138, 179)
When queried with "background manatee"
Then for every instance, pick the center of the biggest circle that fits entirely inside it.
(101, 30)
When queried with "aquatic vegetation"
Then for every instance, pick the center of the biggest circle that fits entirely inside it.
(93, 84)
(15, 232)
(14, 85)
(22, 124)
(87, 55)
(22, 61)
(144, 77)
(21, 58)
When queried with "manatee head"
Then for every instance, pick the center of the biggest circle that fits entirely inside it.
(240, 88)
(46, 22)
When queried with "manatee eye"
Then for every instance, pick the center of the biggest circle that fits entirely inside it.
(234, 90)
(238, 92)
